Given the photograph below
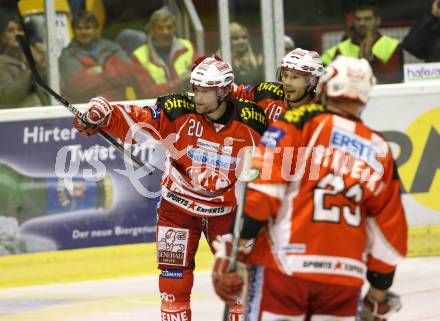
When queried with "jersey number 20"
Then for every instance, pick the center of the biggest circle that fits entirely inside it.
(195, 128)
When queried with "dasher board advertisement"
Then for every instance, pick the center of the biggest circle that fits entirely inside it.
(422, 72)
(409, 118)
(59, 190)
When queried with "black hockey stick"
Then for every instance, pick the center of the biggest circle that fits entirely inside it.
(24, 44)
(247, 174)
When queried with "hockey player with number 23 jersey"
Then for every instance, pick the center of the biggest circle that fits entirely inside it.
(325, 211)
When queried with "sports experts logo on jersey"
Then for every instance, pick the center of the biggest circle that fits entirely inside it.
(195, 207)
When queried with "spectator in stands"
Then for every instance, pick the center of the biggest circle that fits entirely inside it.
(17, 88)
(289, 44)
(94, 66)
(349, 26)
(248, 66)
(423, 40)
(166, 58)
(383, 53)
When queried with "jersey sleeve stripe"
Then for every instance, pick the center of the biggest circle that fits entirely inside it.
(273, 190)
(379, 246)
(278, 230)
(137, 133)
(344, 123)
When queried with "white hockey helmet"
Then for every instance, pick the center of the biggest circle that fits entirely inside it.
(302, 60)
(347, 78)
(211, 72)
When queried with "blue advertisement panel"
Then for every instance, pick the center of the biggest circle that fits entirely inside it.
(59, 190)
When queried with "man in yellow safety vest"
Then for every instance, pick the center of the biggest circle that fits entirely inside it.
(365, 41)
(166, 58)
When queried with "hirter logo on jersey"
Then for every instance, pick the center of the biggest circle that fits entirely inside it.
(248, 114)
(272, 87)
(171, 245)
(178, 103)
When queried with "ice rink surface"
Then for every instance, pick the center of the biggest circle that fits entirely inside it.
(137, 298)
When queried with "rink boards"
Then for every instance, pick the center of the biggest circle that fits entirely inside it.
(407, 114)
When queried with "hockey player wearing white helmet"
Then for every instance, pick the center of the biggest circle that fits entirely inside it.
(299, 72)
(211, 80)
(320, 234)
(297, 77)
(208, 132)
(345, 85)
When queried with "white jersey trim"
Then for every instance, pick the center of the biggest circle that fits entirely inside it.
(280, 230)
(269, 316)
(140, 134)
(378, 245)
(344, 123)
(274, 190)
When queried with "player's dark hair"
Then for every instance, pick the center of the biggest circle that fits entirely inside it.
(86, 17)
(366, 5)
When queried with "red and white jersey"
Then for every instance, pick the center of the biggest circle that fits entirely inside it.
(330, 192)
(204, 156)
(269, 96)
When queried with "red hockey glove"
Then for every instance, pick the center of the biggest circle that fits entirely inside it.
(98, 115)
(83, 128)
(376, 311)
(228, 285)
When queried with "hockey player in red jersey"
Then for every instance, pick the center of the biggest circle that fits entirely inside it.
(297, 75)
(326, 212)
(199, 190)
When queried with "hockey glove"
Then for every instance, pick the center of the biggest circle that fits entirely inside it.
(376, 311)
(97, 115)
(228, 285)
